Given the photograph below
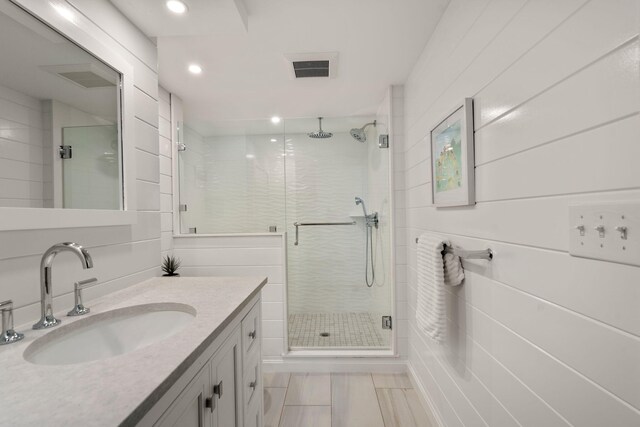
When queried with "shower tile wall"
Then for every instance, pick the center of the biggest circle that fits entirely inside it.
(326, 269)
(193, 182)
(244, 181)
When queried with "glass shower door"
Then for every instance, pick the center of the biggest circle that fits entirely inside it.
(92, 176)
(232, 178)
(330, 305)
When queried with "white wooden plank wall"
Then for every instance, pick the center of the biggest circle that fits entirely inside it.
(166, 187)
(122, 255)
(22, 160)
(243, 256)
(537, 337)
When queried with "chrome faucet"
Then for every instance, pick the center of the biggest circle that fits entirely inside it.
(47, 319)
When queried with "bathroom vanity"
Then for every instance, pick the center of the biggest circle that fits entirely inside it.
(195, 359)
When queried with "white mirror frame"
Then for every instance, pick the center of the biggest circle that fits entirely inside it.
(80, 30)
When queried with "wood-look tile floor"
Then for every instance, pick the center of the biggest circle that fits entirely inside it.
(342, 400)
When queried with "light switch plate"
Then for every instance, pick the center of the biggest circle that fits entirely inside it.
(605, 227)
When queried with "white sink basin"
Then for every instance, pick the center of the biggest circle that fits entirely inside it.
(110, 334)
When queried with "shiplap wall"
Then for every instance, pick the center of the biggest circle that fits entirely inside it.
(21, 150)
(237, 255)
(165, 163)
(123, 255)
(537, 337)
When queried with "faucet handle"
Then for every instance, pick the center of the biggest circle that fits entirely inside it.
(78, 308)
(8, 334)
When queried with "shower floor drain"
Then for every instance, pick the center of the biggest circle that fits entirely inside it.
(324, 334)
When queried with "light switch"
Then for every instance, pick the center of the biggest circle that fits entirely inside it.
(605, 231)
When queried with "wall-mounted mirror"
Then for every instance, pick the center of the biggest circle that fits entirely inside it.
(60, 121)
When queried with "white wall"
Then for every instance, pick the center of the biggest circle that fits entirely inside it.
(123, 255)
(233, 184)
(21, 150)
(537, 337)
(166, 150)
(256, 256)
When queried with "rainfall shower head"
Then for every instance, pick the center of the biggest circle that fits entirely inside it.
(320, 134)
(359, 134)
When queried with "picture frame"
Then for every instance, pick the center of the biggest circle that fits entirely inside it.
(453, 158)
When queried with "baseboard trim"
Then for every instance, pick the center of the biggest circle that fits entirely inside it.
(423, 395)
(328, 364)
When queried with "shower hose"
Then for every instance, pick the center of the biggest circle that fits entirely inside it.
(368, 247)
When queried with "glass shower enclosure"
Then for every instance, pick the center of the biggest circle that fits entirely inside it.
(257, 177)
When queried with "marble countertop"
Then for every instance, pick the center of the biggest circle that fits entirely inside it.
(121, 389)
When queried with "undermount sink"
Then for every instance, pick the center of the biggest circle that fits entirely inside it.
(109, 334)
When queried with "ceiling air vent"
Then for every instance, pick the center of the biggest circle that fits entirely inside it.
(86, 79)
(303, 65)
(88, 76)
(311, 69)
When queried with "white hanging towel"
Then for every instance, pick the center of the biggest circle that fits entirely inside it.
(434, 271)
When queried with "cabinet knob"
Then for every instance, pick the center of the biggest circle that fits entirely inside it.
(217, 389)
(208, 403)
(253, 384)
(252, 334)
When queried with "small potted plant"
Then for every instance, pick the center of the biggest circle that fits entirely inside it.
(171, 264)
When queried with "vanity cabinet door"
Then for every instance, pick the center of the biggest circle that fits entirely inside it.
(189, 409)
(226, 379)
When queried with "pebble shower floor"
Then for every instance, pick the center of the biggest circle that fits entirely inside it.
(344, 329)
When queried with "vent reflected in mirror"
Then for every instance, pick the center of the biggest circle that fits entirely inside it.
(60, 120)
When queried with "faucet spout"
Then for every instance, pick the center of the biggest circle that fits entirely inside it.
(47, 319)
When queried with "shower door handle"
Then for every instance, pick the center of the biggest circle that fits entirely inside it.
(308, 224)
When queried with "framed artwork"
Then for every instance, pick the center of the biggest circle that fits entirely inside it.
(452, 158)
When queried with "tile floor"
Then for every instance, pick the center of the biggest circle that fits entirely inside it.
(342, 400)
(345, 330)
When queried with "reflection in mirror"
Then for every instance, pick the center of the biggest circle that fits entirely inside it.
(60, 125)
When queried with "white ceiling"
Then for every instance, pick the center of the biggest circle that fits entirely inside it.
(245, 74)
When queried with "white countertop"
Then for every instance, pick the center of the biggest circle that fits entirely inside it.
(111, 391)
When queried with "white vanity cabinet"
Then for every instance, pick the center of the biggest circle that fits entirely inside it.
(227, 389)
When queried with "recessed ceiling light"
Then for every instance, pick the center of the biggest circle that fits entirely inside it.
(176, 6)
(195, 69)
(250, 156)
(274, 140)
(275, 120)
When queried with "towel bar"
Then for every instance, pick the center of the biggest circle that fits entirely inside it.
(464, 254)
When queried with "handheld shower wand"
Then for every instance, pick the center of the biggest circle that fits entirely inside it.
(359, 201)
(371, 220)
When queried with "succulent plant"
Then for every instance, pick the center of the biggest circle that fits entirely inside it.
(170, 264)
